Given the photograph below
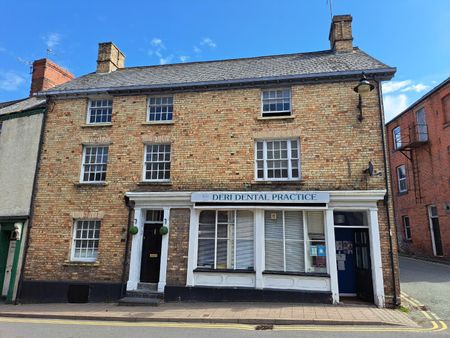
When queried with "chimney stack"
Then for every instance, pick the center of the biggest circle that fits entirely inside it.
(109, 58)
(341, 39)
(47, 74)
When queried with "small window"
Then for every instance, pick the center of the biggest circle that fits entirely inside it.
(276, 102)
(277, 160)
(407, 228)
(99, 111)
(396, 132)
(157, 162)
(86, 234)
(95, 161)
(401, 177)
(160, 109)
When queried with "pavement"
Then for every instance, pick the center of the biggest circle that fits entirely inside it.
(428, 283)
(238, 313)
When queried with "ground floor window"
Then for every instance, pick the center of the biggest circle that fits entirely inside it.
(86, 235)
(294, 241)
(226, 239)
(407, 228)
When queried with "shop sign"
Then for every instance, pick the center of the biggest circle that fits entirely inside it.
(262, 197)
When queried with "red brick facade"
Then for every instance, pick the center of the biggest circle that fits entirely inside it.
(428, 173)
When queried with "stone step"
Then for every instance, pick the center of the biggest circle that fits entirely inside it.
(139, 301)
(145, 294)
(148, 286)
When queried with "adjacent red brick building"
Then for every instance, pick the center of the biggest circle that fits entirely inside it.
(419, 151)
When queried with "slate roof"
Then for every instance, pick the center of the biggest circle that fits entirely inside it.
(26, 104)
(266, 68)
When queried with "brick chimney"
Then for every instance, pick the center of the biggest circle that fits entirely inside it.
(109, 58)
(341, 39)
(47, 74)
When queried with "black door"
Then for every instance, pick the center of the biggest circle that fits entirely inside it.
(364, 287)
(151, 253)
(437, 236)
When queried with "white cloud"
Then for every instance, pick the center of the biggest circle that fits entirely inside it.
(197, 50)
(52, 40)
(158, 43)
(165, 60)
(10, 81)
(393, 86)
(184, 58)
(415, 88)
(208, 42)
(394, 105)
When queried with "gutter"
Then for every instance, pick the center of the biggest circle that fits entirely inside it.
(33, 197)
(383, 74)
(386, 199)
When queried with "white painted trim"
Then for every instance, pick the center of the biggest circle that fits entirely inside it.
(330, 243)
(192, 251)
(134, 274)
(430, 224)
(377, 268)
(260, 259)
(164, 252)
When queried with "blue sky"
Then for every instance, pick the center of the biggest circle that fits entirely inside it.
(412, 35)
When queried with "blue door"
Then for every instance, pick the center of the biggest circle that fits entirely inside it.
(345, 243)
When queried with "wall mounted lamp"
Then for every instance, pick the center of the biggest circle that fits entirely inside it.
(363, 87)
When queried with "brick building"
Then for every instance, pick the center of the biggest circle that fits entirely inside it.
(419, 152)
(21, 124)
(258, 178)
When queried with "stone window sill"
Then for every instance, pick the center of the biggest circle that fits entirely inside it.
(286, 117)
(157, 123)
(293, 182)
(154, 183)
(76, 263)
(96, 125)
(90, 184)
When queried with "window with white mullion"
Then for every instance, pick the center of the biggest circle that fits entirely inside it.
(157, 162)
(99, 111)
(86, 234)
(94, 165)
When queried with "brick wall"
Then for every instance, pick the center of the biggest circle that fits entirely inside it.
(178, 253)
(212, 137)
(433, 161)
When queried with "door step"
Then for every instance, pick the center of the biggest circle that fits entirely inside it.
(146, 296)
(147, 286)
(139, 301)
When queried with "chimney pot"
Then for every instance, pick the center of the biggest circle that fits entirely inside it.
(341, 39)
(47, 74)
(109, 58)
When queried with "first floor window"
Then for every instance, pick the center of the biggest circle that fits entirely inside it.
(86, 235)
(226, 239)
(95, 161)
(157, 162)
(277, 160)
(407, 227)
(401, 177)
(99, 111)
(396, 133)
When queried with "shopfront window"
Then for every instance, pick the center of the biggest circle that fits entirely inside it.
(293, 246)
(226, 239)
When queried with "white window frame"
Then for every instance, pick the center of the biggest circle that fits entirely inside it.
(144, 169)
(399, 180)
(148, 109)
(407, 228)
(397, 137)
(83, 162)
(88, 114)
(277, 112)
(74, 239)
(289, 160)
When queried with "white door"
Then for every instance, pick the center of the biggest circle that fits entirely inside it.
(9, 266)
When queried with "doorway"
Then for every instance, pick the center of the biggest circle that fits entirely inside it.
(151, 247)
(435, 231)
(353, 256)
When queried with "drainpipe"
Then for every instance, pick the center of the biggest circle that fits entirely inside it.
(33, 196)
(130, 206)
(386, 198)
